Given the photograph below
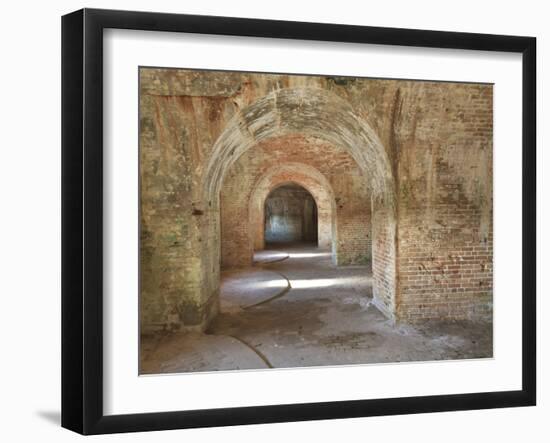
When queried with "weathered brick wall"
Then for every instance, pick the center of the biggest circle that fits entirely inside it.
(174, 290)
(423, 148)
(384, 256)
(445, 257)
(353, 221)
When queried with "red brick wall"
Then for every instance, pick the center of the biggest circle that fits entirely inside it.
(384, 255)
(353, 221)
(445, 212)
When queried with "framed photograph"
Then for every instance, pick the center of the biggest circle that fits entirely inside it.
(269, 221)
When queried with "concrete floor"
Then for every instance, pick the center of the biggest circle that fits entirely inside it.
(295, 309)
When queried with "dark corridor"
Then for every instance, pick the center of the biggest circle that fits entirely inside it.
(290, 215)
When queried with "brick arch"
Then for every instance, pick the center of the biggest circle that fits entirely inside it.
(310, 179)
(310, 111)
(327, 116)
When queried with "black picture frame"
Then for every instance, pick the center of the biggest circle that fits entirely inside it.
(82, 218)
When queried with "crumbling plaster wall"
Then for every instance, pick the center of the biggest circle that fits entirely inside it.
(437, 138)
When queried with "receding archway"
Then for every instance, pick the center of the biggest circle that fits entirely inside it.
(310, 179)
(207, 137)
(326, 116)
(301, 110)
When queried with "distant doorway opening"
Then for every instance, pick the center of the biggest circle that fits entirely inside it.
(290, 216)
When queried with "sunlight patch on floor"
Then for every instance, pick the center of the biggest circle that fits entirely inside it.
(327, 282)
(279, 283)
(308, 254)
(313, 283)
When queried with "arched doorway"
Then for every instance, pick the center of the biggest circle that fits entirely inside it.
(325, 115)
(308, 178)
(290, 215)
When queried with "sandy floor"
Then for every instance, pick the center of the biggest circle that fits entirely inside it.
(295, 309)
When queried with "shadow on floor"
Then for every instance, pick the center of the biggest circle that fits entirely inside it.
(53, 417)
